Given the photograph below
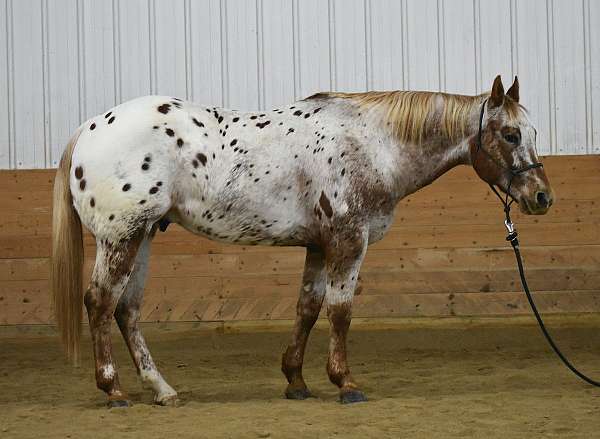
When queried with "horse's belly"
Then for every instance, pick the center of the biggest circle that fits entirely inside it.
(236, 218)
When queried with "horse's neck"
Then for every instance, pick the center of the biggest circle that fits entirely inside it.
(430, 160)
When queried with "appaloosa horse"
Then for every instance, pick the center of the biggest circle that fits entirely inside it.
(324, 173)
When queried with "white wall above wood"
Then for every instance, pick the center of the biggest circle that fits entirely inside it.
(62, 61)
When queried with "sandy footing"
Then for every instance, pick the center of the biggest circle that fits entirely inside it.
(431, 382)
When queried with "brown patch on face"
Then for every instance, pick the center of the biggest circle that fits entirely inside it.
(491, 169)
(325, 205)
(202, 158)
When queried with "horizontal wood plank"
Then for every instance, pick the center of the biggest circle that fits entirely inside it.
(445, 255)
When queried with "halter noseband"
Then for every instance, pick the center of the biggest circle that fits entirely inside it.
(512, 171)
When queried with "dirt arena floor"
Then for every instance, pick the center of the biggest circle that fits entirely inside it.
(423, 382)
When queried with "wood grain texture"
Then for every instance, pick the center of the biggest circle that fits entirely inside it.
(445, 255)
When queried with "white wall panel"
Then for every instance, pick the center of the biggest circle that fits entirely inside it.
(422, 45)
(494, 42)
(5, 85)
(206, 45)
(313, 47)
(534, 68)
(242, 54)
(386, 54)
(458, 62)
(28, 80)
(64, 112)
(133, 49)
(170, 48)
(349, 49)
(62, 61)
(277, 63)
(569, 74)
(97, 49)
(594, 73)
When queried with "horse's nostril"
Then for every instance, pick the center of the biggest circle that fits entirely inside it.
(542, 199)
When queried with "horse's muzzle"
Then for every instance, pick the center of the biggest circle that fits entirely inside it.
(539, 204)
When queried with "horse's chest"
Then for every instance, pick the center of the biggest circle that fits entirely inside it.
(378, 226)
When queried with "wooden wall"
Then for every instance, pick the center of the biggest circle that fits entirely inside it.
(445, 255)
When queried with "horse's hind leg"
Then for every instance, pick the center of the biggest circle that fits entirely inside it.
(309, 304)
(127, 315)
(114, 263)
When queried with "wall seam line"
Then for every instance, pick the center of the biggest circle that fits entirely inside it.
(46, 84)
(12, 151)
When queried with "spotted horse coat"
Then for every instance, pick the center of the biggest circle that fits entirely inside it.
(324, 173)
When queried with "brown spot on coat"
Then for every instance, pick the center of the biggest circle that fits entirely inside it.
(164, 108)
(202, 158)
(325, 205)
(78, 172)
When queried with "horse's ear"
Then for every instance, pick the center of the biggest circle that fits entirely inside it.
(513, 91)
(497, 96)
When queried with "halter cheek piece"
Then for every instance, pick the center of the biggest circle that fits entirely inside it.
(513, 172)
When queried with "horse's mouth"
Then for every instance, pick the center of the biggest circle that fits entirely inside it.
(527, 209)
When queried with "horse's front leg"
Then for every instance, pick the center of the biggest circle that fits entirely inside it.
(344, 258)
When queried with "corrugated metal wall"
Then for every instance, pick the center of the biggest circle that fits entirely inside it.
(63, 61)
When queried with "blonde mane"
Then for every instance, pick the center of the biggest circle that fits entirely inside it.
(412, 114)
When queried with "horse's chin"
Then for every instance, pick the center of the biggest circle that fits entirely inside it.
(525, 207)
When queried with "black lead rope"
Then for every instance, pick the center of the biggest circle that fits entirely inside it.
(514, 242)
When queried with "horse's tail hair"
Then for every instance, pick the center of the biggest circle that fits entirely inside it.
(67, 258)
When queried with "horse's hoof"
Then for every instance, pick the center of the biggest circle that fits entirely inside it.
(299, 394)
(118, 403)
(352, 396)
(167, 401)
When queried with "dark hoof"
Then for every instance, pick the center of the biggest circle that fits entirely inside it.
(352, 396)
(298, 394)
(118, 403)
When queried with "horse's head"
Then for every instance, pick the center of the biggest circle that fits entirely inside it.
(507, 155)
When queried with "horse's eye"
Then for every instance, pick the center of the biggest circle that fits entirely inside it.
(512, 138)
